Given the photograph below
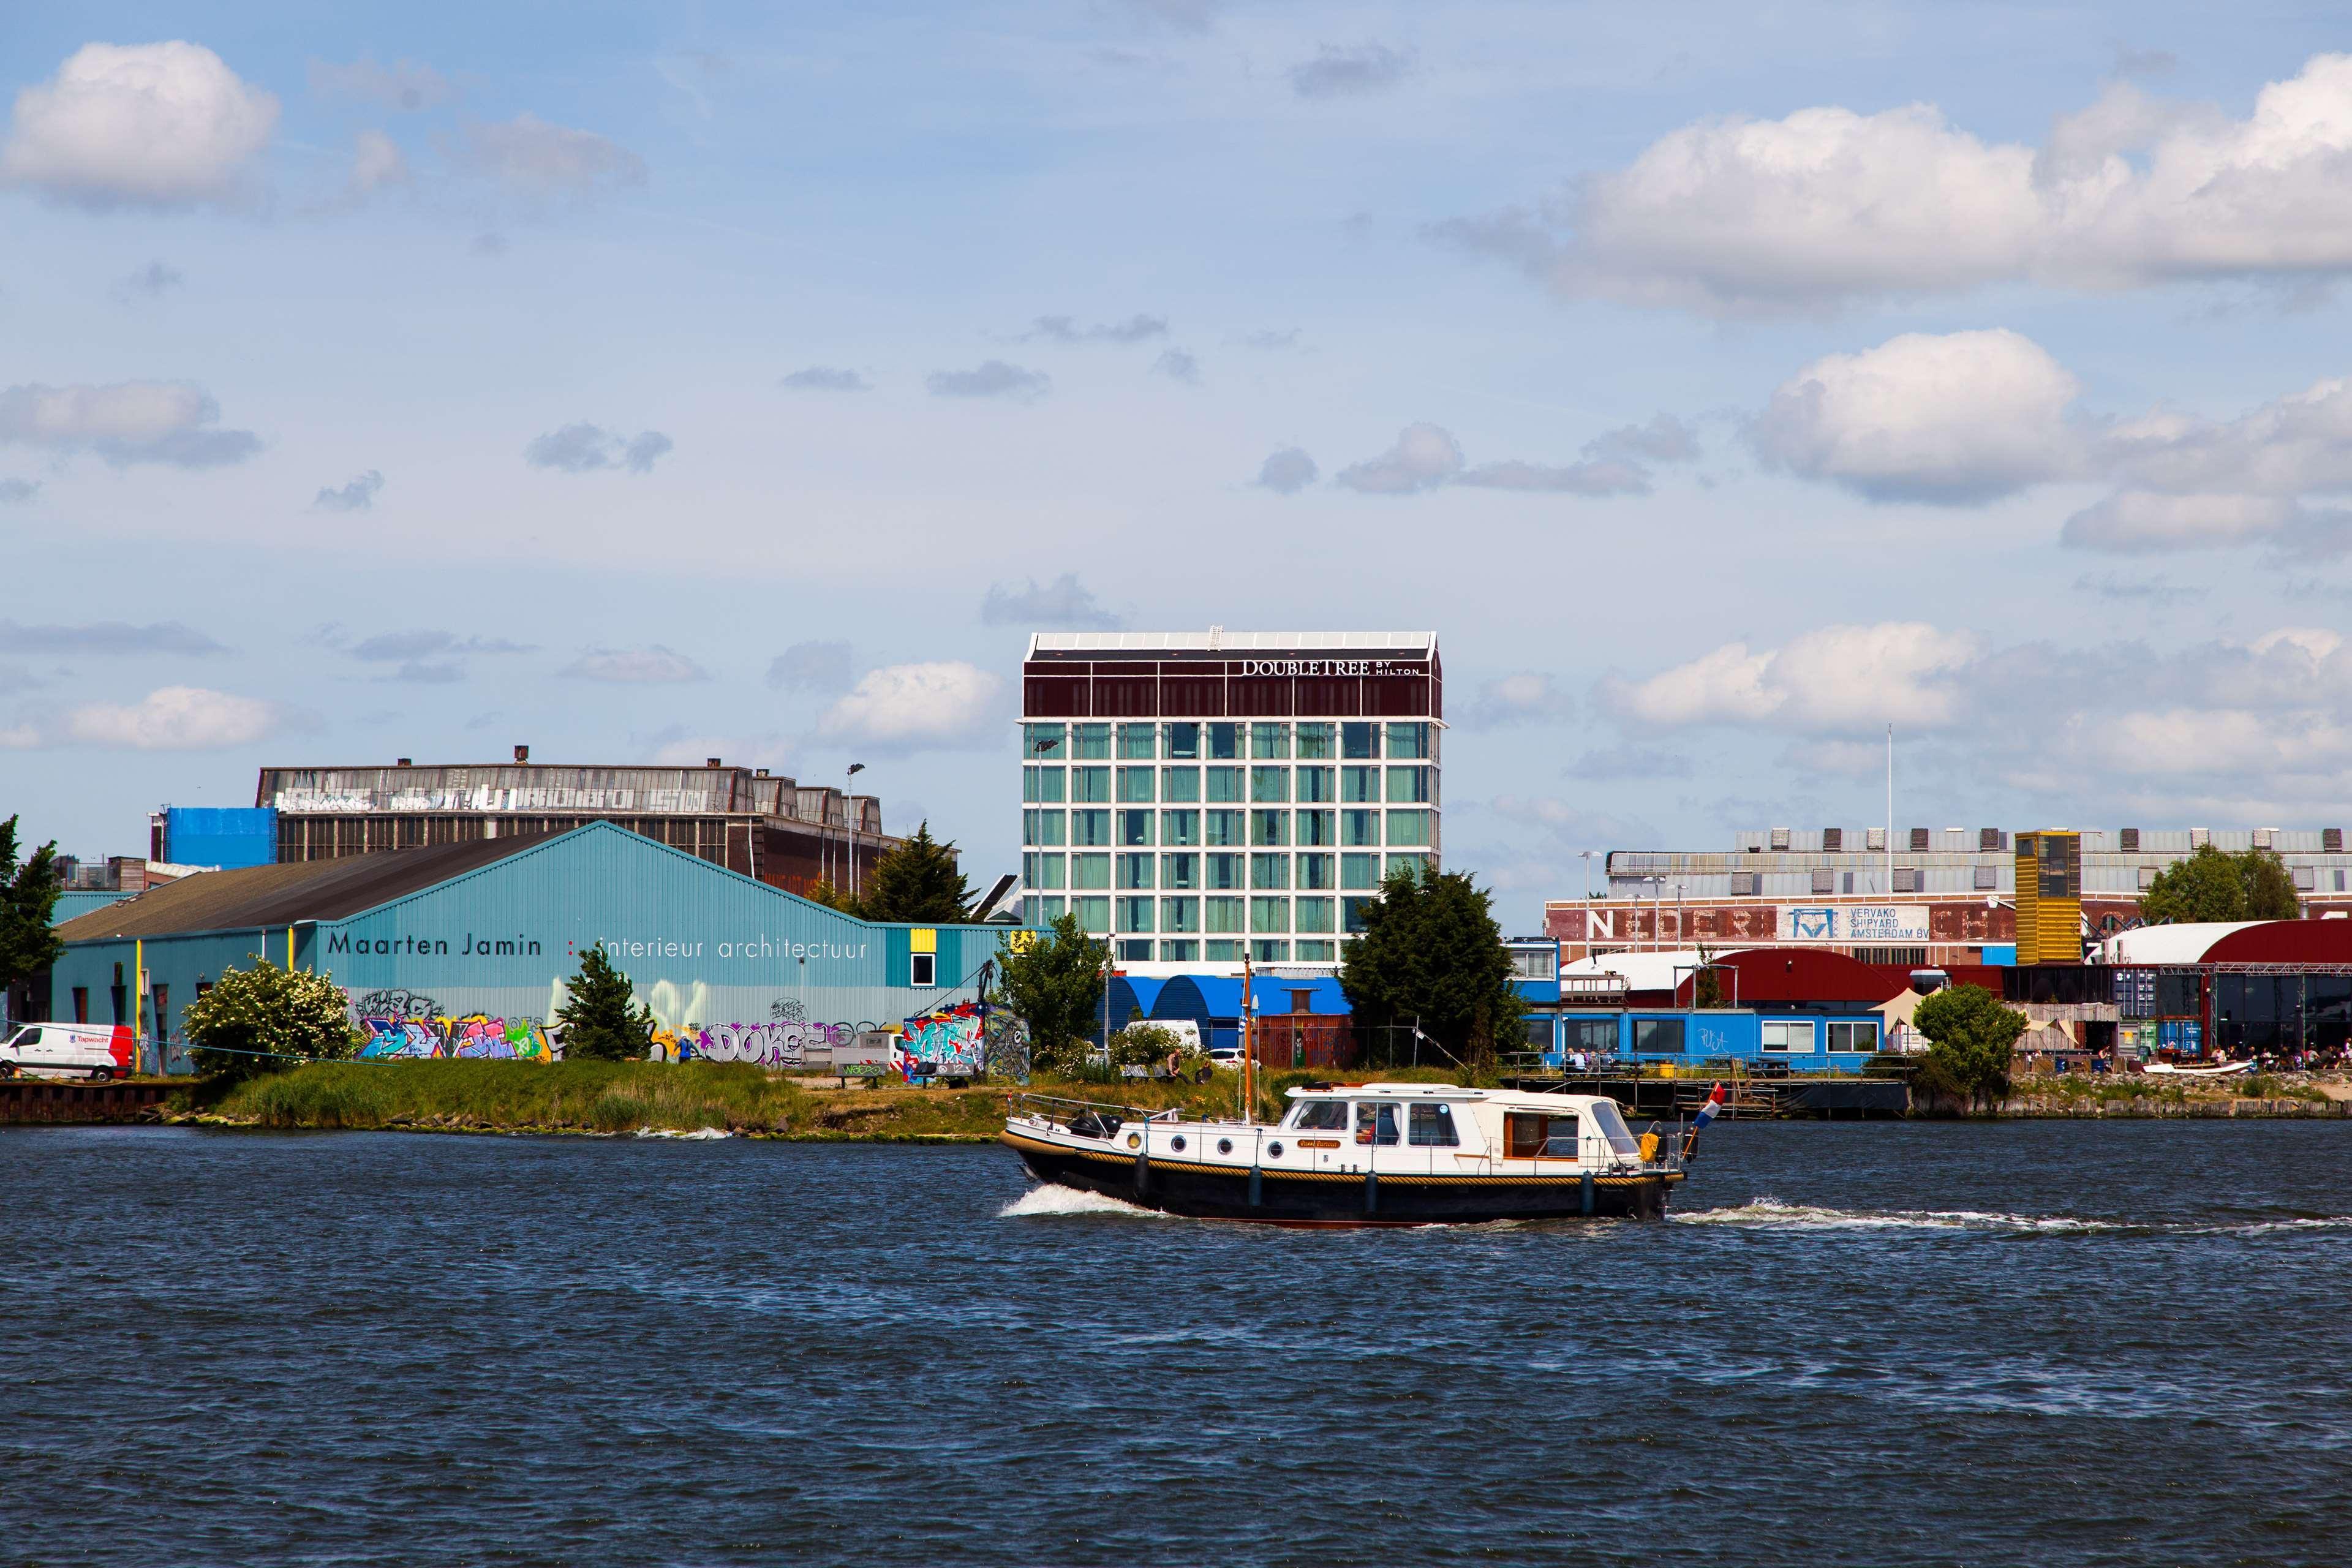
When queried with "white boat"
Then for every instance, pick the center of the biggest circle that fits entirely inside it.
(2218, 1069)
(1375, 1153)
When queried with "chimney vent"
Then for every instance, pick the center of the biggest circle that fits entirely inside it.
(402, 762)
(522, 753)
(710, 761)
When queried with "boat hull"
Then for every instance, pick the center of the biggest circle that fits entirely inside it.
(1318, 1198)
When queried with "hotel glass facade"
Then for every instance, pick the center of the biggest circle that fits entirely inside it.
(1195, 797)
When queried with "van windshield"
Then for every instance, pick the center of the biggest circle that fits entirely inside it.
(1612, 1127)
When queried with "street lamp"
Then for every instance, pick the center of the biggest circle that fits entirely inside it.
(1586, 856)
(849, 825)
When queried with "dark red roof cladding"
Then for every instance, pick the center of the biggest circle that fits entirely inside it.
(2286, 942)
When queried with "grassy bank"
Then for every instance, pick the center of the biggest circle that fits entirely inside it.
(632, 1097)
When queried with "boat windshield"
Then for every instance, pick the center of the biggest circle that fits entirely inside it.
(1329, 1115)
(1611, 1126)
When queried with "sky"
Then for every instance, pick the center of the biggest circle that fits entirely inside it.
(1721, 384)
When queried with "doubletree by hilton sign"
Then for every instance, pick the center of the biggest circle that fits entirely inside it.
(1327, 666)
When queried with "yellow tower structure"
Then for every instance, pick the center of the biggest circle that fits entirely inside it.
(2050, 897)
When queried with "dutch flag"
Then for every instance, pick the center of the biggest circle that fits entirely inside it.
(1707, 1112)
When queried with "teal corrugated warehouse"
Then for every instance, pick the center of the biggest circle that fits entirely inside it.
(492, 929)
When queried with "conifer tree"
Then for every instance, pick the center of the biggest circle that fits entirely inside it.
(28, 896)
(917, 883)
(1431, 951)
(602, 1019)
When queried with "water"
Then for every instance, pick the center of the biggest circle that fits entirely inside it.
(2045, 1343)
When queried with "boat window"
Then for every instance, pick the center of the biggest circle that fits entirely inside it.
(1612, 1127)
(1375, 1122)
(1539, 1135)
(1433, 1124)
(1327, 1115)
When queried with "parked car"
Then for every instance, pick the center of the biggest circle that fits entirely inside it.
(1226, 1056)
(69, 1050)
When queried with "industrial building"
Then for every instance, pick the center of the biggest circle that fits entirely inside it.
(483, 934)
(1195, 795)
(767, 826)
(1943, 897)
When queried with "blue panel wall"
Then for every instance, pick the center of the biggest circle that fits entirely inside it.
(223, 835)
(74, 903)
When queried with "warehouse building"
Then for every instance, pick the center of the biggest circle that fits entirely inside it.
(1944, 896)
(475, 942)
(1198, 795)
(767, 826)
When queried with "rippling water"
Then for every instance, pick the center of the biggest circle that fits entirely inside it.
(2046, 1343)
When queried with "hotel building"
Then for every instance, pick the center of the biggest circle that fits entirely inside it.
(1197, 795)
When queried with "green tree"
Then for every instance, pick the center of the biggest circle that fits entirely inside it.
(1431, 951)
(266, 1018)
(1053, 983)
(1970, 1038)
(28, 898)
(602, 1019)
(916, 883)
(2209, 885)
(1707, 988)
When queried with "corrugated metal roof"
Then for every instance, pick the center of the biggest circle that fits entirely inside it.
(279, 895)
(1231, 642)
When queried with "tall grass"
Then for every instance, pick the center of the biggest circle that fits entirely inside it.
(583, 1097)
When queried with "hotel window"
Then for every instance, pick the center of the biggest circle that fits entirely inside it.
(1270, 873)
(1407, 828)
(1042, 827)
(1041, 784)
(1359, 872)
(1091, 786)
(1314, 743)
(1225, 742)
(1269, 829)
(1269, 915)
(1787, 1038)
(1134, 784)
(1088, 871)
(1420, 868)
(1270, 951)
(1221, 915)
(1090, 742)
(1179, 871)
(1042, 911)
(1134, 952)
(1270, 785)
(1135, 871)
(1090, 829)
(1179, 829)
(1042, 873)
(1183, 741)
(1359, 827)
(1316, 829)
(1269, 742)
(1315, 871)
(1094, 915)
(1134, 828)
(1317, 952)
(1315, 786)
(1185, 952)
(1220, 952)
(1222, 829)
(1225, 785)
(1180, 785)
(1043, 740)
(1853, 1036)
(1408, 741)
(1360, 784)
(1135, 743)
(1352, 917)
(1135, 914)
(1224, 872)
(1180, 914)
(1313, 914)
(1359, 739)
(1408, 786)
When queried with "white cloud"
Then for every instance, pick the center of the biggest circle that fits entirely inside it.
(825, 378)
(1527, 696)
(377, 162)
(1961, 417)
(1826, 205)
(2142, 522)
(125, 422)
(151, 282)
(1425, 456)
(357, 496)
(165, 124)
(405, 84)
(991, 378)
(17, 492)
(1065, 604)
(171, 719)
(1287, 472)
(535, 159)
(584, 448)
(1345, 72)
(814, 665)
(1840, 677)
(1176, 364)
(1137, 328)
(654, 665)
(1586, 479)
(916, 707)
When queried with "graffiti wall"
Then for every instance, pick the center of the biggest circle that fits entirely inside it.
(404, 1024)
(773, 1045)
(951, 1042)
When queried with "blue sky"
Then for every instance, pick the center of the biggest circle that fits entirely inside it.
(1721, 383)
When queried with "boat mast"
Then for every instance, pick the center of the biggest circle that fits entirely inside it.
(1249, 1058)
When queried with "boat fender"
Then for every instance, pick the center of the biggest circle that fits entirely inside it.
(1648, 1147)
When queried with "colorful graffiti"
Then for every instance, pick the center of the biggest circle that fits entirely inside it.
(472, 1038)
(775, 1045)
(951, 1042)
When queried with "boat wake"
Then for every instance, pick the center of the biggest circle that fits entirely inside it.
(1772, 1214)
(1048, 1199)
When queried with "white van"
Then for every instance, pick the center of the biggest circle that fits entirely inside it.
(69, 1050)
